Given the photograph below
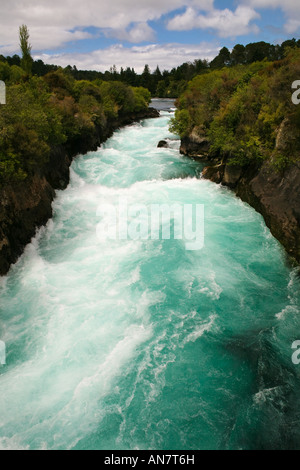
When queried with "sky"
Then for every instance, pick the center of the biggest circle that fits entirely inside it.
(97, 34)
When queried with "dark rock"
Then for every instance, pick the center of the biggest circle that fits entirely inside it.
(196, 144)
(232, 174)
(58, 167)
(151, 113)
(23, 208)
(163, 144)
(214, 173)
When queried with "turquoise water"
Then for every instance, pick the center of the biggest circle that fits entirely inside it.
(141, 344)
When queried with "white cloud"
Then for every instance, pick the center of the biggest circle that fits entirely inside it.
(165, 56)
(53, 23)
(289, 6)
(292, 26)
(225, 22)
(290, 9)
(54, 38)
(140, 32)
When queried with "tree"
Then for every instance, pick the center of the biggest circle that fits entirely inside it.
(238, 55)
(222, 60)
(147, 71)
(157, 73)
(26, 61)
(14, 60)
(258, 51)
(200, 66)
(146, 79)
(129, 76)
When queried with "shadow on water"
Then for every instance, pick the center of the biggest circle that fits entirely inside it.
(270, 420)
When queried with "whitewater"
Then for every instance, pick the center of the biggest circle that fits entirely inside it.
(142, 344)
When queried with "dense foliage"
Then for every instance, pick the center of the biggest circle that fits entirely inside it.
(246, 111)
(168, 83)
(43, 112)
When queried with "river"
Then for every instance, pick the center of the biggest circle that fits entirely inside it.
(138, 342)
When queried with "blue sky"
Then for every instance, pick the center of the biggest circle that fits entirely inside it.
(96, 34)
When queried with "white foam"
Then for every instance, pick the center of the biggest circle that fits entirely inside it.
(287, 311)
(13, 443)
(200, 330)
(267, 394)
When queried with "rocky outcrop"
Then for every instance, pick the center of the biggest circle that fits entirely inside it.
(26, 206)
(224, 173)
(162, 144)
(196, 144)
(23, 207)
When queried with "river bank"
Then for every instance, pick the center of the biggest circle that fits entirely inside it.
(25, 206)
(273, 193)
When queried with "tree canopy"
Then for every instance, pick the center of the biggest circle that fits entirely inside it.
(44, 112)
